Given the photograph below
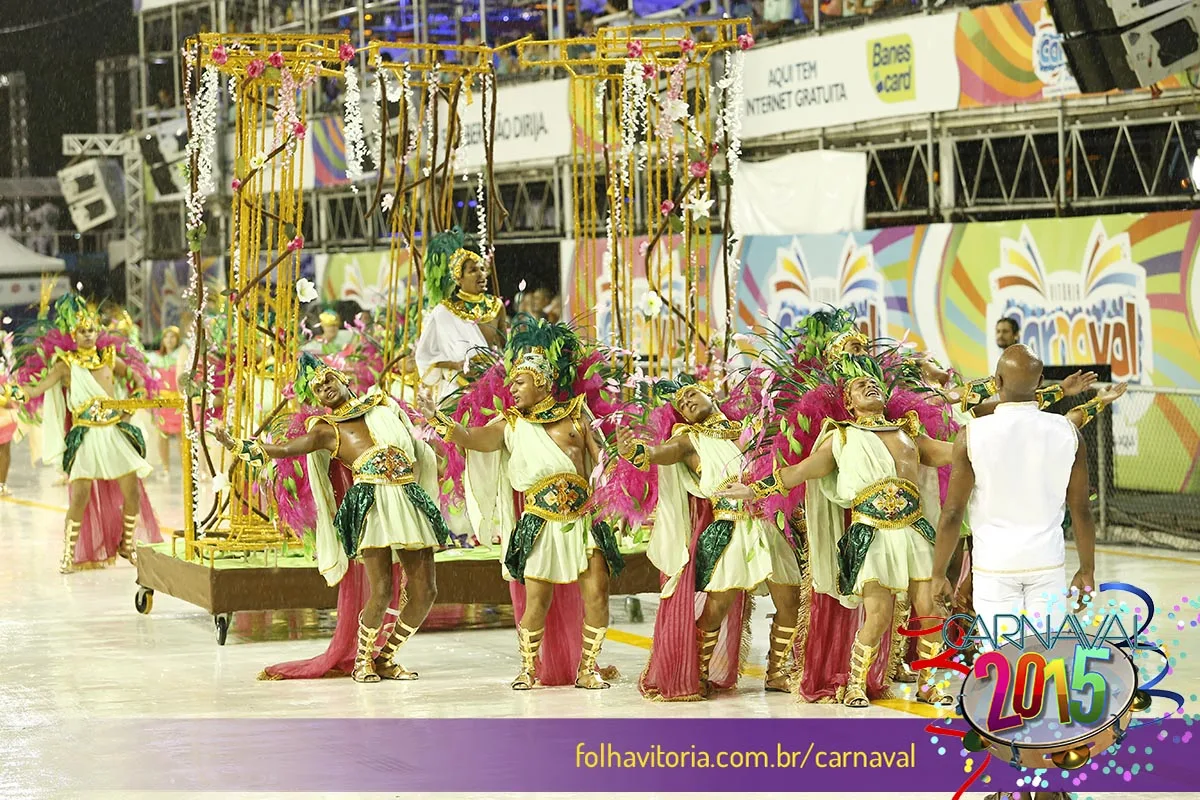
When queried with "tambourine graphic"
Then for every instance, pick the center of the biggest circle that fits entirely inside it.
(1039, 708)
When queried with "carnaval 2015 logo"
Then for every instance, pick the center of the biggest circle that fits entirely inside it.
(1049, 693)
(892, 63)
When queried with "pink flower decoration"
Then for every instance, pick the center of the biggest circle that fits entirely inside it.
(256, 68)
(235, 184)
(233, 297)
(346, 52)
(275, 60)
(634, 48)
(295, 244)
(299, 129)
(280, 333)
(220, 55)
(746, 41)
(667, 207)
(643, 248)
(698, 169)
(649, 71)
(687, 45)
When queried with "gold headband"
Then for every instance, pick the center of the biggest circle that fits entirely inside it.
(328, 317)
(86, 318)
(170, 329)
(459, 260)
(319, 375)
(536, 365)
(838, 345)
(683, 390)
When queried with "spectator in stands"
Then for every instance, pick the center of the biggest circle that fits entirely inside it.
(554, 309)
(1006, 333)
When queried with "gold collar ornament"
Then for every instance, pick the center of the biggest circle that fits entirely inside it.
(91, 358)
(477, 308)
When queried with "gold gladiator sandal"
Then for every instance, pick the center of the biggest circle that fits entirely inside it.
(70, 538)
(927, 688)
(588, 677)
(778, 679)
(706, 642)
(530, 642)
(385, 663)
(862, 656)
(364, 661)
(125, 550)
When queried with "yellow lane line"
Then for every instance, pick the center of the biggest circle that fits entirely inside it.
(33, 504)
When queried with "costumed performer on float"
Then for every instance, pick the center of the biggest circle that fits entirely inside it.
(387, 515)
(103, 454)
(332, 337)
(548, 448)
(878, 470)
(704, 544)
(464, 319)
(166, 364)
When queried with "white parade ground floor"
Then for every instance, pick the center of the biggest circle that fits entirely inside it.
(73, 649)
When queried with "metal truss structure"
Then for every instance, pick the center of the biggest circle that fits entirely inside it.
(1099, 155)
(13, 84)
(114, 115)
(125, 147)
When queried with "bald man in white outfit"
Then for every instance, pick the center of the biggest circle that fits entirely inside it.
(1019, 470)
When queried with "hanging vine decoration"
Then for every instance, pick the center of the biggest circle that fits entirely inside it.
(669, 149)
(264, 209)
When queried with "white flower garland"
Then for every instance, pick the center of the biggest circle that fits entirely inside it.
(410, 113)
(434, 80)
(612, 217)
(729, 127)
(481, 214)
(356, 146)
(203, 141)
(376, 122)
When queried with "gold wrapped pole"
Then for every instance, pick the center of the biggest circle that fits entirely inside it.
(656, 122)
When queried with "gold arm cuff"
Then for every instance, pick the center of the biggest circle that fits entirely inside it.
(443, 425)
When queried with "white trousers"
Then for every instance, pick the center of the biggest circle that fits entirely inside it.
(1034, 596)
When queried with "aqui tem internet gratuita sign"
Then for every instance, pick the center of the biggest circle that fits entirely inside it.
(878, 71)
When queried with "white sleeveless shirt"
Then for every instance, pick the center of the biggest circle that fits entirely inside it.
(1022, 458)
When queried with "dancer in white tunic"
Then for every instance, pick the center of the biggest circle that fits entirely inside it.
(464, 319)
(549, 449)
(735, 553)
(101, 444)
(387, 515)
(879, 470)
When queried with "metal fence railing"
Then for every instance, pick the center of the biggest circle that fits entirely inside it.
(1143, 457)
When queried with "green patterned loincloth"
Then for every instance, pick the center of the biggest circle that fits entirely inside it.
(351, 518)
(76, 435)
(888, 504)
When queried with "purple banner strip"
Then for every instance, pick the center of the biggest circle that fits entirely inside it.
(593, 755)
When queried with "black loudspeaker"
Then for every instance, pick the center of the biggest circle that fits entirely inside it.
(1087, 16)
(1127, 44)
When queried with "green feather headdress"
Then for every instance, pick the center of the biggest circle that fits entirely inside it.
(550, 351)
(313, 370)
(827, 332)
(849, 368)
(444, 259)
(72, 312)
